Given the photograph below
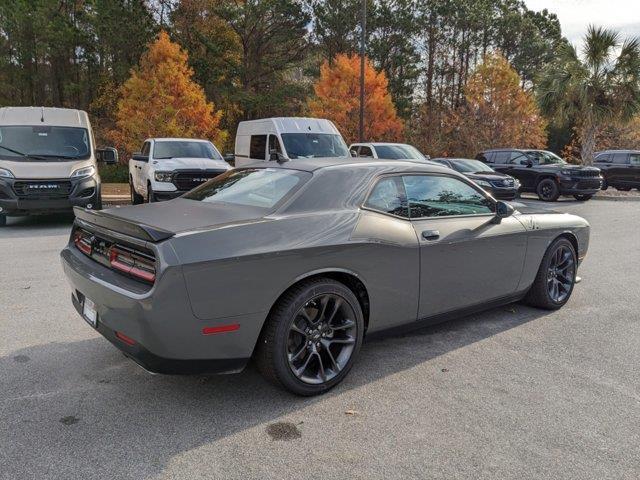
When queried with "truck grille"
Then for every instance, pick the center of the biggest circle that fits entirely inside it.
(42, 189)
(588, 173)
(184, 180)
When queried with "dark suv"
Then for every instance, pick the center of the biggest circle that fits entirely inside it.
(620, 168)
(544, 173)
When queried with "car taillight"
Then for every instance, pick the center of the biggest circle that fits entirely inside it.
(132, 264)
(82, 243)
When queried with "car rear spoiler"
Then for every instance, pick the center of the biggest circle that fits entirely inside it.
(117, 224)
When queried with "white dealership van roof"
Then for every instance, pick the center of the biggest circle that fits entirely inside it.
(287, 125)
(61, 117)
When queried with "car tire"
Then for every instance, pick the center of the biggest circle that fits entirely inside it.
(623, 189)
(150, 195)
(582, 198)
(548, 190)
(554, 271)
(296, 351)
(604, 185)
(3, 220)
(136, 198)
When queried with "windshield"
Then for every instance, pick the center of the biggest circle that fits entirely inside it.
(185, 149)
(43, 143)
(313, 145)
(398, 152)
(257, 187)
(470, 166)
(542, 157)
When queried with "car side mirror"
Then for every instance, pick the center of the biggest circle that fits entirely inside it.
(528, 163)
(354, 153)
(139, 157)
(108, 155)
(230, 158)
(277, 156)
(503, 210)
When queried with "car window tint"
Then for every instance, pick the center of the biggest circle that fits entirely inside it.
(436, 196)
(388, 196)
(634, 159)
(365, 152)
(603, 158)
(620, 157)
(519, 158)
(258, 147)
(145, 149)
(484, 157)
(274, 144)
(502, 157)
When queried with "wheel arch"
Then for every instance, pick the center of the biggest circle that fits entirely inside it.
(571, 237)
(544, 176)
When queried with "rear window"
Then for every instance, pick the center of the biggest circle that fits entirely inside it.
(252, 187)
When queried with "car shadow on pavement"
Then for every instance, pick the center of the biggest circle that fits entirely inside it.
(41, 225)
(71, 409)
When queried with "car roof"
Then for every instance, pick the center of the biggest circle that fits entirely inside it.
(381, 144)
(45, 116)
(617, 151)
(313, 164)
(170, 139)
(454, 159)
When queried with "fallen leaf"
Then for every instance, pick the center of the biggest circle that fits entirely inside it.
(351, 412)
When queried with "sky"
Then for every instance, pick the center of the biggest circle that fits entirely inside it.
(576, 15)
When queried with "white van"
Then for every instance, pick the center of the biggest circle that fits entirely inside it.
(287, 138)
(48, 161)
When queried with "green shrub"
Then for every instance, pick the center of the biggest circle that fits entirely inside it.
(114, 173)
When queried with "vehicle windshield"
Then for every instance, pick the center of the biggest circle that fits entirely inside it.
(43, 143)
(542, 157)
(470, 166)
(185, 149)
(253, 187)
(398, 152)
(314, 145)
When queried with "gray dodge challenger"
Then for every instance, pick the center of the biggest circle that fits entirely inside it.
(293, 263)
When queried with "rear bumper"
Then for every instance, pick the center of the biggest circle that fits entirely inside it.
(84, 192)
(168, 337)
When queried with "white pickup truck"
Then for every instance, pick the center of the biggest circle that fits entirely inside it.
(166, 168)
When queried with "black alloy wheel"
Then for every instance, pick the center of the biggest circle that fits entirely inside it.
(556, 276)
(548, 190)
(321, 339)
(311, 337)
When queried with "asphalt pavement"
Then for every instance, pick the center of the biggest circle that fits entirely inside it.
(514, 392)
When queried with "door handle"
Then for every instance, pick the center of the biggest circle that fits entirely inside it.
(431, 234)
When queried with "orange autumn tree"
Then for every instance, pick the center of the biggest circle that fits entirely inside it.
(160, 99)
(337, 97)
(497, 112)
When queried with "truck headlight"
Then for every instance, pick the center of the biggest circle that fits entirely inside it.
(84, 172)
(163, 176)
(4, 173)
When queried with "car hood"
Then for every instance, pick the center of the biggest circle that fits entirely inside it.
(182, 215)
(567, 166)
(190, 163)
(54, 169)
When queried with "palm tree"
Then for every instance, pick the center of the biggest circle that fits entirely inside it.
(599, 87)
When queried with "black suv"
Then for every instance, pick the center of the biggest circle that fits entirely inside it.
(620, 168)
(544, 173)
(499, 185)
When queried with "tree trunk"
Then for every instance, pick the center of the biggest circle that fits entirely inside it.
(588, 141)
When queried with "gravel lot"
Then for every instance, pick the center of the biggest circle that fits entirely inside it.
(510, 393)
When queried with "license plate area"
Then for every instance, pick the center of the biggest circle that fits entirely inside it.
(89, 312)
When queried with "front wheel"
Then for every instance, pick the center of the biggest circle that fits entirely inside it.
(136, 199)
(548, 190)
(150, 195)
(556, 276)
(3, 220)
(582, 198)
(311, 338)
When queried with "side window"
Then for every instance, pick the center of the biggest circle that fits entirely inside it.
(258, 147)
(501, 157)
(274, 144)
(365, 152)
(146, 148)
(519, 158)
(435, 196)
(485, 157)
(620, 158)
(388, 196)
(603, 158)
(634, 159)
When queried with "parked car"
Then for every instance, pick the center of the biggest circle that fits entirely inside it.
(292, 263)
(48, 161)
(166, 168)
(544, 173)
(387, 151)
(620, 168)
(287, 138)
(500, 185)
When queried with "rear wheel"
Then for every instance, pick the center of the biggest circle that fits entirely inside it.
(136, 199)
(556, 276)
(582, 198)
(548, 190)
(311, 337)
